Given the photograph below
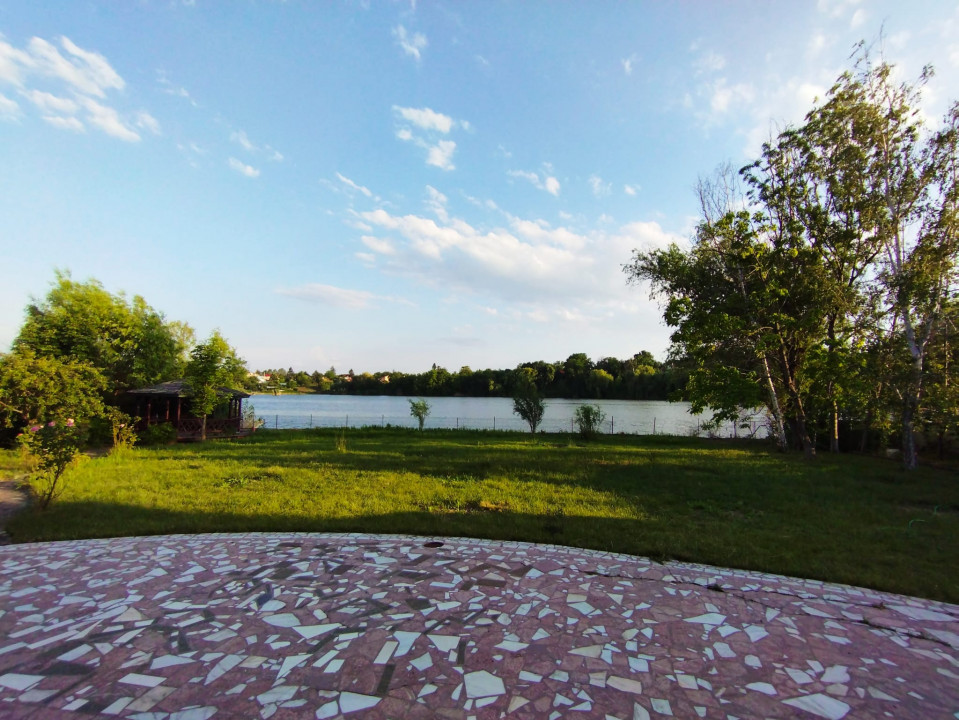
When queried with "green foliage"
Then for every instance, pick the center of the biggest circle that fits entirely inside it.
(824, 299)
(420, 409)
(54, 447)
(529, 405)
(589, 419)
(161, 434)
(129, 343)
(213, 365)
(35, 386)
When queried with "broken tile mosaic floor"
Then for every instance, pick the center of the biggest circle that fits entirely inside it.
(329, 626)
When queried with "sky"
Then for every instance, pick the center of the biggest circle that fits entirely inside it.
(387, 185)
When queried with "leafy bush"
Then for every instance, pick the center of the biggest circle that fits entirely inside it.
(54, 448)
(529, 405)
(420, 409)
(588, 419)
(162, 434)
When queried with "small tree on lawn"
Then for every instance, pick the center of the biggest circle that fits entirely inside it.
(55, 447)
(588, 419)
(420, 409)
(213, 364)
(529, 405)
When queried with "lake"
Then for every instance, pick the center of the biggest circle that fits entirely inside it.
(641, 417)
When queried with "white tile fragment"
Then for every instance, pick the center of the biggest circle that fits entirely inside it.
(821, 705)
(483, 684)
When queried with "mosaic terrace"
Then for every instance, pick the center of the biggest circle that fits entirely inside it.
(327, 626)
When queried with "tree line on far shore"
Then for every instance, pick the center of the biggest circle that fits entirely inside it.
(640, 377)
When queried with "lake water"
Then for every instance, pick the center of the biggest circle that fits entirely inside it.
(642, 417)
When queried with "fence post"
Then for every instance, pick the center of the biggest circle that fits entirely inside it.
(347, 421)
(654, 424)
(276, 422)
(494, 422)
(311, 421)
(612, 427)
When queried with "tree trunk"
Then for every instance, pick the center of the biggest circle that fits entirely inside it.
(778, 426)
(203, 429)
(834, 435)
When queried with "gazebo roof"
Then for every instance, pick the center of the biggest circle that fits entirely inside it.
(181, 388)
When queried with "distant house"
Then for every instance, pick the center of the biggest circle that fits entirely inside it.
(169, 402)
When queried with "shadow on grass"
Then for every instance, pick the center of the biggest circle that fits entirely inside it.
(915, 564)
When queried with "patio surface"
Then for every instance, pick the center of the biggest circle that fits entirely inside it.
(330, 625)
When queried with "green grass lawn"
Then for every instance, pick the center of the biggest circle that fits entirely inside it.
(844, 518)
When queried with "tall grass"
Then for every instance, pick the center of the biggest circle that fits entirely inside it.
(847, 519)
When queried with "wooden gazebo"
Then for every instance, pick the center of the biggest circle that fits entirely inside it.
(169, 402)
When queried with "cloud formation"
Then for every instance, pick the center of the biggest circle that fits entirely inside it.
(337, 297)
(69, 87)
(247, 170)
(527, 261)
(427, 129)
(547, 182)
(411, 44)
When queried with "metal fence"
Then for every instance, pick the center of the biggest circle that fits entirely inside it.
(755, 427)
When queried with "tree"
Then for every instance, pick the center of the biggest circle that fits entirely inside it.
(128, 342)
(588, 419)
(841, 259)
(529, 405)
(36, 388)
(420, 409)
(213, 365)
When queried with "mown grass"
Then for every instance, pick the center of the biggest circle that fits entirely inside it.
(847, 519)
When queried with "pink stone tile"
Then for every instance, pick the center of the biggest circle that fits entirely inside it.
(289, 625)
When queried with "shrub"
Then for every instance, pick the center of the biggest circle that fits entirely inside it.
(530, 406)
(420, 409)
(54, 448)
(588, 419)
(162, 434)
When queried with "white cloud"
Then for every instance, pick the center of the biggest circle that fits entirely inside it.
(411, 44)
(50, 103)
(600, 188)
(330, 295)
(441, 155)
(548, 183)
(426, 119)
(65, 123)
(627, 64)
(349, 183)
(338, 297)
(108, 120)
(437, 202)
(710, 62)
(146, 121)
(528, 261)
(170, 89)
(85, 75)
(248, 170)
(724, 96)
(858, 18)
(434, 125)
(241, 139)
(87, 72)
(9, 109)
(13, 62)
(383, 246)
(631, 190)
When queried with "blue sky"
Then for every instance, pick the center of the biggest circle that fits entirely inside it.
(388, 185)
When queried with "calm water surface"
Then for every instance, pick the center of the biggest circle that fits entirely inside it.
(629, 416)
